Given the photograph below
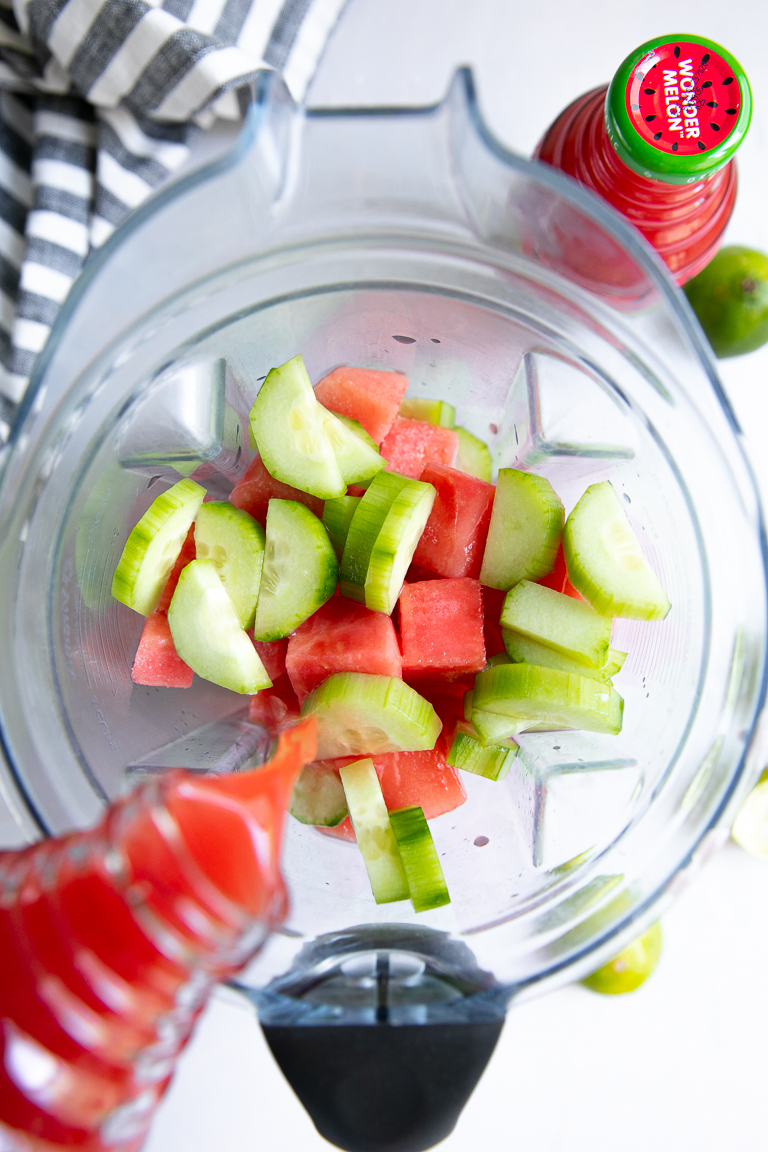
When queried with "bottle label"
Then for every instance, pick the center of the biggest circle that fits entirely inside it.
(683, 98)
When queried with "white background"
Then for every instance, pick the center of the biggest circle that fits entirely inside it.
(679, 1065)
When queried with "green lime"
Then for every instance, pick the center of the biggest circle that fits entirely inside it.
(750, 828)
(730, 298)
(630, 968)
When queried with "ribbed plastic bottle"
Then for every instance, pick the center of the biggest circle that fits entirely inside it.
(657, 144)
(111, 939)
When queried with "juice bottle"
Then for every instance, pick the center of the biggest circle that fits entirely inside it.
(657, 144)
(110, 940)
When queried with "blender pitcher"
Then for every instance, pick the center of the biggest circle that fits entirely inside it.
(405, 239)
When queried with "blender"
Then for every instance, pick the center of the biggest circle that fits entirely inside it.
(410, 240)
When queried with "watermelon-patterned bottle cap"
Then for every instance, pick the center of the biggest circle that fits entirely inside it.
(678, 108)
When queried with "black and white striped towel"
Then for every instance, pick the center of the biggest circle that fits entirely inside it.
(96, 102)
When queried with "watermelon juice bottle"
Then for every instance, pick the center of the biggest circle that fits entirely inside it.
(111, 939)
(657, 144)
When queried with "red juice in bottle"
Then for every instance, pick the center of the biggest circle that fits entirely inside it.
(658, 142)
(111, 939)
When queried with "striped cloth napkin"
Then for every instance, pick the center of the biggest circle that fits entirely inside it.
(98, 100)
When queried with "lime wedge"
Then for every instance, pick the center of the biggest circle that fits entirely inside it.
(630, 968)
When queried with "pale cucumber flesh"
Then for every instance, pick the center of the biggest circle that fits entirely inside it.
(605, 561)
(337, 517)
(373, 830)
(470, 755)
(288, 428)
(207, 633)
(426, 882)
(300, 570)
(363, 715)
(235, 542)
(547, 695)
(473, 456)
(357, 460)
(524, 532)
(522, 650)
(430, 411)
(153, 545)
(318, 796)
(569, 626)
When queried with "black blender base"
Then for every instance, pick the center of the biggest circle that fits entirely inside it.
(384, 1088)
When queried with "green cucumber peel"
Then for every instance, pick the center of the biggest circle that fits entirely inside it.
(363, 715)
(207, 633)
(318, 796)
(288, 427)
(522, 650)
(300, 570)
(524, 532)
(569, 626)
(549, 696)
(470, 755)
(235, 542)
(153, 546)
(424, 874)
(337, 517)
(364, 527)
(374, 833)
(430, 411)
(605, 561)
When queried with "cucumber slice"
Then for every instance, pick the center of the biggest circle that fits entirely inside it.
(357, 460)
(300, 570)
(473, 456)
(431, 411)
(567, 625)
(363, 715)
(153, 545)
(605, 562)
(318, 796)
(288, 427)
(522, 650)
(375, 837)
(207, 632)
(356, 427)
(235, 542)
(547, 695)
(337, 516)
(525, 529)
(493, 730)
(419, 859)
(382, 539)
(470, 755)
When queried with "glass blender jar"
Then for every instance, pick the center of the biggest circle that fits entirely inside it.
(408, 240)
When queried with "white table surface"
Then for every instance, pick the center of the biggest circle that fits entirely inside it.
(679, 1064)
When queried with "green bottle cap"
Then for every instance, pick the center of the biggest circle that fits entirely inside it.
(678, 108)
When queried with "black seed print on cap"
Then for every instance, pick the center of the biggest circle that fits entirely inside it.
(730, 111)
(657, 135)
(705, 58)
(649, 118)
(674, 146)
(708, 84)
(711, 103)
(677, 53)
(702, 146)
(714, 127)
(728, 80)
(649, 91)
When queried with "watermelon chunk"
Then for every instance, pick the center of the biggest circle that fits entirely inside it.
(441, 630)
(493, 602)
(453, 540)
(157, 662)
(558, 578)
(408, 778)
(272, 655)
(342, 636)
(370, 396)
(254, 492)
(411, 444)
(275, 706)
(184, 557)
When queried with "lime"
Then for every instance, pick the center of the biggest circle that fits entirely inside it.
(630, 968)
(750, 828)
(730, 299)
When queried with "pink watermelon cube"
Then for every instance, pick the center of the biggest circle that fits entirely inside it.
(367, 395)
(342, 636)
(254, 492)
(441, 630)
(411, 444)
(453, 540)
(157, 662)
(493, 602)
